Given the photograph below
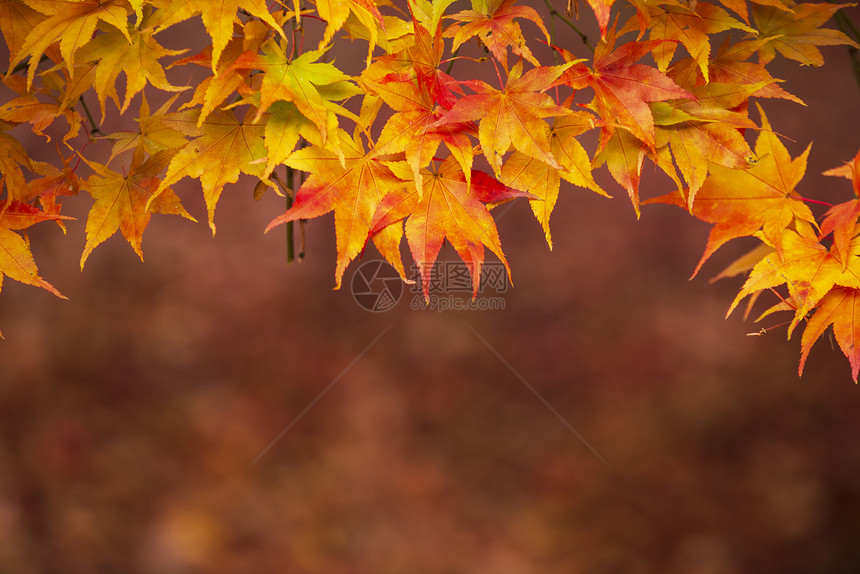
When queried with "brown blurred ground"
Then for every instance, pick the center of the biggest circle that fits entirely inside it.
(132, 415)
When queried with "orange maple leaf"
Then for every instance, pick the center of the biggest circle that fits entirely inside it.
(760, 198)
(623, 155)
(806, 267)
(691, 28)
(152, 134)
(841, 219)
(413, 128)
(795, 33)
(16, 260)
(40, 115)
(352, 189)
(451, 209)
(731, 67)
(16, 22)
(706, 130)
(740, 6)
(840, 308)
(425, 55)
(231, 70)
(512, 116)
(497, 29)
(623, 89)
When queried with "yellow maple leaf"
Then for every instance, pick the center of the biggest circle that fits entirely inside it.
(121, 201)
(221, 149)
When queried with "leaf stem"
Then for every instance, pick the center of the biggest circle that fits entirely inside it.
(496, 65)
(816, 201)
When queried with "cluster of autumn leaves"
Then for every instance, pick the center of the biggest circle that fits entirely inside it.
(406, 148)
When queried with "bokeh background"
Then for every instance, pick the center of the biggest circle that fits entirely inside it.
(137, 420)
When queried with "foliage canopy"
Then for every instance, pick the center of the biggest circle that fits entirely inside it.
(406, 148)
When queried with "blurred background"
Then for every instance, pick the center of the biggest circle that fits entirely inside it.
(217, 411)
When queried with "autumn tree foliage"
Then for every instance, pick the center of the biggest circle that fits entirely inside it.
(405, 147)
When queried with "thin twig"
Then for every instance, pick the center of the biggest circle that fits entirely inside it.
(556, 14)
(452, 60)
(291, 244)
(848, 28)
(93, 129)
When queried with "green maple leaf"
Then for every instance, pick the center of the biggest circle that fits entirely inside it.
(308, 84)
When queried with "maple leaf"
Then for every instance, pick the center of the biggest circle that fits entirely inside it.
(512, 116)
(841, 219)
(222, 149)
(425, 56)
(839, 308)
(850, 170)
(40, 115)
(121, 201)
(497, 29)
(623, 89)
(730, 67)
(134, 53)
(72, 24)
(741, 203)
(413, 128)
(542, 180)
(740, 6)
(352, 189)
(232, 69)
(796, 33)
(706, 130)
(218, 18)
(602, 9)
(16, 21)
(152, 135)
(623, 154)
(807, 268)
(53, 184)
(336, 12)
(284, 126)
(429, 12)
(448, 208)
(690, 28)
(13, 157)
(299, 81)
(16, 260)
